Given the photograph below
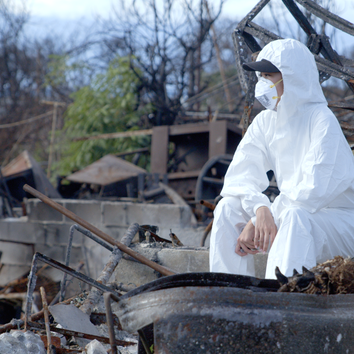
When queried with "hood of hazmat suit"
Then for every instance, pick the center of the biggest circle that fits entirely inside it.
(302, 142)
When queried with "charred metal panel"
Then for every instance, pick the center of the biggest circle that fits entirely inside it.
(159, 149)
(217, 138)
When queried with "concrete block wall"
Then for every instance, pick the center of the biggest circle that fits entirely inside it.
(45, 230)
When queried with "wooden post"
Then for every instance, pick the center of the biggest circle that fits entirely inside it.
(54, 124)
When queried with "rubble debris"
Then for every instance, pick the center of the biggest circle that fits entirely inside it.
(335, 276)
(96, 231)
(18, 342)
(95, 347)
(24, 169)
(175, 240)
(107, 272)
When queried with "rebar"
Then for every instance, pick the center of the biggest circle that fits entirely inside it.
(110, 323)
(33, 278)
(46, 320)
(68, 253)
(95, 230)
(107, 272)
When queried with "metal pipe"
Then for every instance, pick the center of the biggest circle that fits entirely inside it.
(33, 278)
(95, 294)
(110, 322)
(95, 230)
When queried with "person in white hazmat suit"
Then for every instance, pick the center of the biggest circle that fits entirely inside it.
(299, 138)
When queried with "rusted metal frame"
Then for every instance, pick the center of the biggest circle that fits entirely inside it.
(46, 320)
(110, 322)
(241, 51)
(334, 57)
(95, 230)
(324, 45)
(261, 33)
(7, 193)
(323, 64)
(240, 44)
(68, 252)
(67, 261)
(252, 14)
(247, 79)
(334, 69)
(299, 17)
(33, 278)
(327, 16)
(251, 42)
(249, 101)
(68, 332)
(95, 294)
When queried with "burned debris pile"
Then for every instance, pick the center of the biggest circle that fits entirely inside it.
(335, 276)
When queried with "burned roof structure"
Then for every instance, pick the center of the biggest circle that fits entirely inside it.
(329, 63)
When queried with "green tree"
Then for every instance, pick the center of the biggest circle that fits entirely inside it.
(107, 105)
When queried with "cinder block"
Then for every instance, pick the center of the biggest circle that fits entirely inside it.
(114, 214)
(19, 230)
(16, 253)
(39, 211)
(57, 253)
(88, 210)
(260, 264)
(157, 214)
(184, 260)
(11, 272)
(129, 272)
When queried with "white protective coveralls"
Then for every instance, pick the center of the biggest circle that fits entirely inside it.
(314, 168)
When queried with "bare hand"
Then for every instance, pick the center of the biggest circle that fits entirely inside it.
(245, 242)
(265, 230)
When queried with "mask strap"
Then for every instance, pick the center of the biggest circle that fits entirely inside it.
(276, 83)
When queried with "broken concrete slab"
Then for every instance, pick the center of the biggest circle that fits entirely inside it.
(179, 259)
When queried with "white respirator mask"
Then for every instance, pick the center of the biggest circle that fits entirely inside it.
(266, 93)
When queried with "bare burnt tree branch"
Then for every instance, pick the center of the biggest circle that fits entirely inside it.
(163, 42)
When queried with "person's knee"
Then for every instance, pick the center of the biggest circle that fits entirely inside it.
(228, 203)
(293, 213)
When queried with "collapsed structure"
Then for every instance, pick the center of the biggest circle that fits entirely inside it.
(191, 312)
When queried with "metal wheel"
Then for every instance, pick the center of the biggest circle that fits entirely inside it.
(211, 178)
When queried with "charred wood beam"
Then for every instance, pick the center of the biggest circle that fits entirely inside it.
(299, 17)
(327, 16)
(252, 14)
(323, 64)
(251, 42)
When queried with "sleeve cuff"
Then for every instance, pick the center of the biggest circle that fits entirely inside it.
(258, 206)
